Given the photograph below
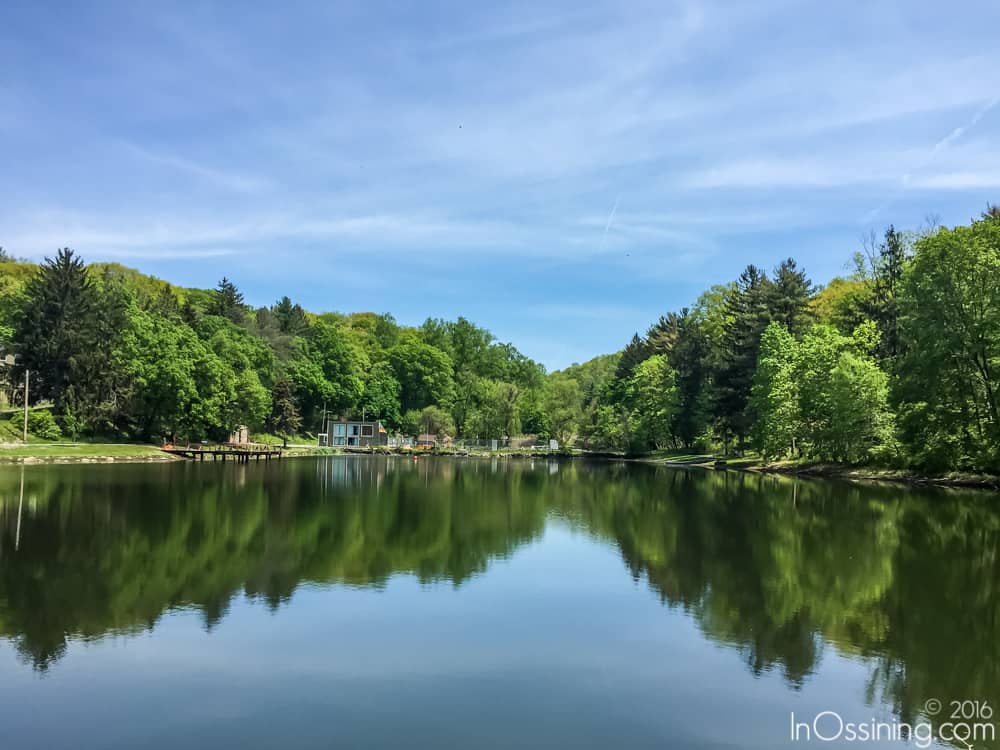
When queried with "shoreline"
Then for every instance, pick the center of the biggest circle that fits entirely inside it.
(14, 454)
(820, 470)
(817, 470)
(898, 476)
(34, 454)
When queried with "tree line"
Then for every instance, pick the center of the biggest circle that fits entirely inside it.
(121, 354)
(897, 363)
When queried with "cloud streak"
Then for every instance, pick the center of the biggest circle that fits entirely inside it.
(611, 218)
(215, 177)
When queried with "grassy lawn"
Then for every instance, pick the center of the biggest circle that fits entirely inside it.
(263, 437)
(310, 450)
(680, 456)
(67, 452)
(79, 450)
(742, 462)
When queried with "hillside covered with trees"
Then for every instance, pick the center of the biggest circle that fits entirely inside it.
(121, 354)
(896, 364)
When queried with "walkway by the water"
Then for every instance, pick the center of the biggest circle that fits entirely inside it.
(240, 452)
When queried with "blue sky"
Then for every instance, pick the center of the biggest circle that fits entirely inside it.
(562, 173)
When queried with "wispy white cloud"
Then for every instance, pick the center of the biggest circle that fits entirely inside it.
(927, 173)
(699, 218)
(958, 132)
(779, 172)
(184, 238)
(216, 177)
(944, 143)
(956, 180)
(611, 218)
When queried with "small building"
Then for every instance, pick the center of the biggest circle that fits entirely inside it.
(429, 440)
(349, 432)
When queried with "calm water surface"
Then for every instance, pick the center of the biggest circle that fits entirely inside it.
(368, 603)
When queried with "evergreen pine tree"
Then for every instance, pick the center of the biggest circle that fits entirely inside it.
(748, 315)
(285, 419)
(662, 335)
(634, 352)
(789, 296)
(883, 308)
(56, 332)
(290, 318)
(688, 358)
(228, 302)
(189, 314)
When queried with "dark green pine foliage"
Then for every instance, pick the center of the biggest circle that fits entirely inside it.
(285, 419)
(289, 317)
(748, 311)
(677, 336)
(888, 267)
(165, 304)
(57, 332)
(227, 302)
(634, 353)
(662, 335)
(789, 295)
(688, 356)
(189, 314)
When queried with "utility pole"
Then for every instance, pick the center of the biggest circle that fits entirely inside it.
(27, 375)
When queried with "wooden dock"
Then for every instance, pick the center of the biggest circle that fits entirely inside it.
(239, 452)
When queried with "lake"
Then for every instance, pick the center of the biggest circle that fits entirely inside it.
(385, 602)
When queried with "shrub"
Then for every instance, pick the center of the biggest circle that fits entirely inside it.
(43, 425)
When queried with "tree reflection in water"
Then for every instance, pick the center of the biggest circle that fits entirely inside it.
(780, 569)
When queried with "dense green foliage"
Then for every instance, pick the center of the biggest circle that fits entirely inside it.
(948, 387)
(824, 390)
(125, 355)
(897, 364)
